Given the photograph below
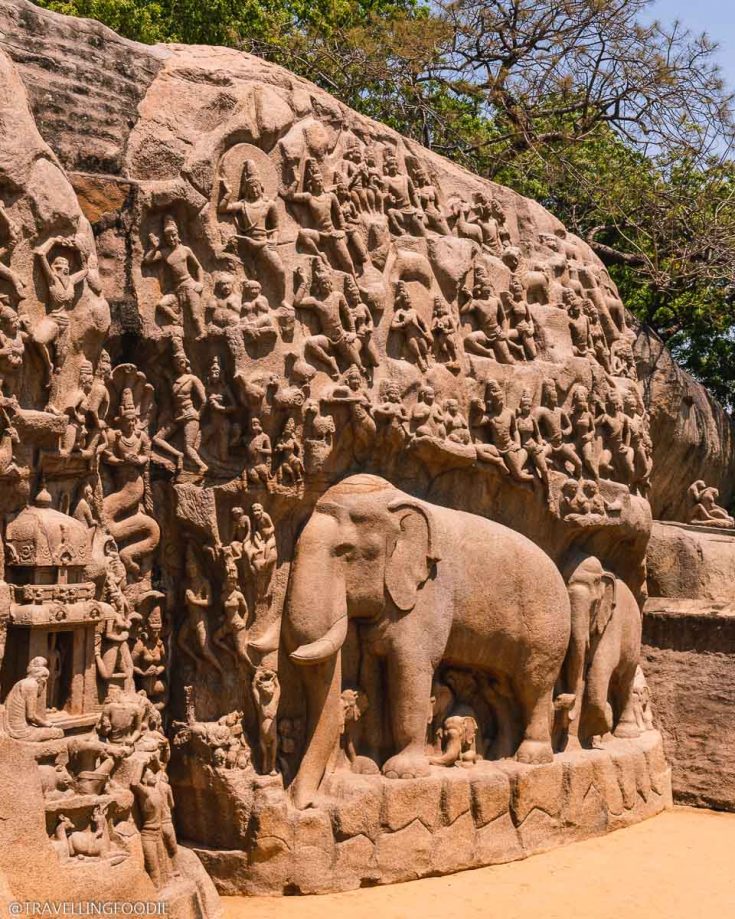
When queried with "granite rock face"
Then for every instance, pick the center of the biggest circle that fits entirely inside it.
(326, 477)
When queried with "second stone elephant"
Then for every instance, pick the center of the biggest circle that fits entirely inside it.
(431, 585)
(603, 653)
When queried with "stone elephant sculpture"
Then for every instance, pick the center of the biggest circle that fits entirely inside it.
(603, 653)
(459, 741)
(431, 584)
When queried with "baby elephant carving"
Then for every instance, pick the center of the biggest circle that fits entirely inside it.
(459, 742)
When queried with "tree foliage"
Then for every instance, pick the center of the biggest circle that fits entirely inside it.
(620, 125)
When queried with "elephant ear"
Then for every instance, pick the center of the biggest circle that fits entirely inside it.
(410, 556)
(607, 605)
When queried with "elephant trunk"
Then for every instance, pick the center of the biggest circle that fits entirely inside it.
(451, 753)
(323, 687)
(316, 626)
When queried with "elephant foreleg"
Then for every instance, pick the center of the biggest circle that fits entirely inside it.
(536, 708)
(409, 692)
(627, 725)
(597, 712)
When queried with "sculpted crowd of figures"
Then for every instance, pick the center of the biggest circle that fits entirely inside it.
(187, 535)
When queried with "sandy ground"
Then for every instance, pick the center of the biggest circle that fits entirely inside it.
(678, 865)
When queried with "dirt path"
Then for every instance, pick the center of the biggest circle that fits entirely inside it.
(677, 866)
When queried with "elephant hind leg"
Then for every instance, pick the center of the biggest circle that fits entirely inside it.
(536, 711)
(627, 725)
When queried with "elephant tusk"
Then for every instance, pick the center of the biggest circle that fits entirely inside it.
(324, 647)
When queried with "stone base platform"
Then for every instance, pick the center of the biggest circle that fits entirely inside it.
(368, 830)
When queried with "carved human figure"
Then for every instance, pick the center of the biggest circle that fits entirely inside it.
(597, 334)
(112, 649)
(426, 418)
(10, 236)
(235, 609)
(617, 457)
(224, 307)
(328, 306)
(85, 428)
(289, 453)
(260, 454)
(189, 398)
(185, 273)
(61, 286)
(642, 701)
(193, 638)
(491, 337)
(584, 430)
(556, 427)
(579, 325)
(257, 321)
(531, 438)
(154, 806)
(504, 449)
(149, 657)
(391, 418)
(358, 320)
(353, 396)
(357, 176)
(266, 694)
(704, 509)
(326, 235)
(25, 706)
(429, 201)
(352, 223)
(12, 349)
(120, 721)
(221, 432)
(401, 201)
(264, 552)
(417, 338)
(257, 223)
(354, 705)
(622, 360)
(444, 334)
(319, 431)
(639, 441)
(455, 423)
(522, 329)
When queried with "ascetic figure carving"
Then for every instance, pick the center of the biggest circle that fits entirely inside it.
(25, 716)
(407, 567)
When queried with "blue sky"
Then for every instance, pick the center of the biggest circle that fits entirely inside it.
(716, 17)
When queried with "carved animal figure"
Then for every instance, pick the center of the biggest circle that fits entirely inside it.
(603, 653)
(418, 573)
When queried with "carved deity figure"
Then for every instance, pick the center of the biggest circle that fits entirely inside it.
(189, 398)
(326, 235)
(235, 609)
(579, 324)
(257, 223)
(266, 694)
(25, 706)
(127, 452)
(491, 337)
(224, 308)
(328, 306)
(639, 441)
(401, 202)
(391, 417)
(87, 410)
(121, 720)
(184, 271)
(597, 335)
(112, 650)
(556, 427)
(417, 338)
(354, 398)
(351, 221)
(704, 509)
(504, 449)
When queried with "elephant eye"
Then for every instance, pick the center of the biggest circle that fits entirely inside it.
(343, 548)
